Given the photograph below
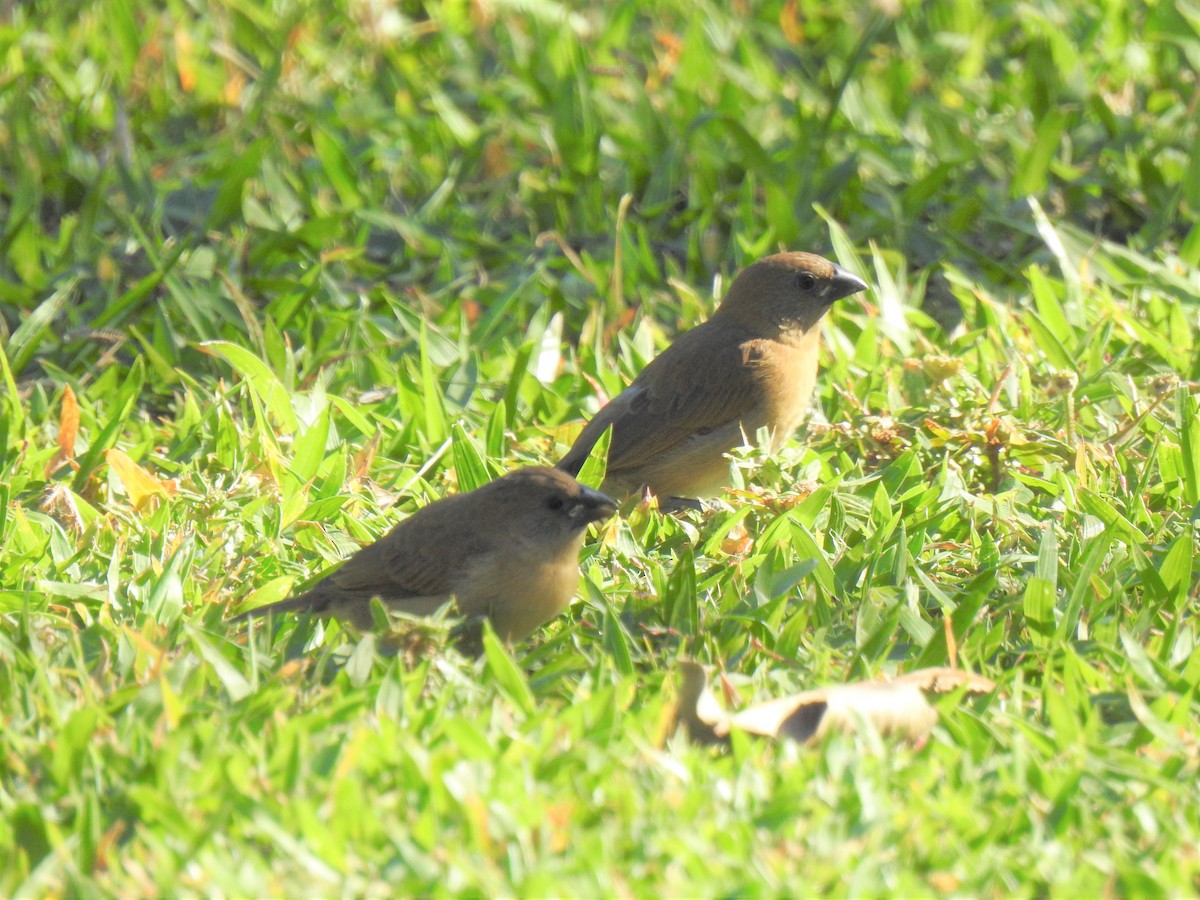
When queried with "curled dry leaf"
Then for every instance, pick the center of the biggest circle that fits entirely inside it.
(738, 541)
(138, 483)
(896, 707)
(68, 431)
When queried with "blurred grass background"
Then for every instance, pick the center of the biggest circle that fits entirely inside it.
(305, 267)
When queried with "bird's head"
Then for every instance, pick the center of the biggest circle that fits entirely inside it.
(788, 291)
(548, 502)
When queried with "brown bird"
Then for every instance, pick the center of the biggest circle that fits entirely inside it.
(752, 364)
(508, 551)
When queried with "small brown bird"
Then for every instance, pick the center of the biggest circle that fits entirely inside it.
(508, 551)
(752, 364)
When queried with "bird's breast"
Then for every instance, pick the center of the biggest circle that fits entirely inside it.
(528, 586)
(786, 373)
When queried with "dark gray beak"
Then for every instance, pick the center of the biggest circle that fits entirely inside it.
(842, 284)
(592, 506)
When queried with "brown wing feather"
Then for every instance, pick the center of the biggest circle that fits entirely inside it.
(698, 384)
(418, 562)
(416, 559)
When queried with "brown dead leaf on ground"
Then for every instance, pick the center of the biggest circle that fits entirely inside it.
(898, 707)
(68, 431)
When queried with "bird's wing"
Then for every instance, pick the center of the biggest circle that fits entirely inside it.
(390, 570)
(416, 567)
(418, 559)
(703, 381)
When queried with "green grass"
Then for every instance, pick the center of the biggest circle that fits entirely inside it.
(313, 265)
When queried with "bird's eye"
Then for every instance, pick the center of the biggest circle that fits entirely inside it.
(555, 503)
(806, 281)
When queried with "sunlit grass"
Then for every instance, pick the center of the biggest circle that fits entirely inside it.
(273, 279)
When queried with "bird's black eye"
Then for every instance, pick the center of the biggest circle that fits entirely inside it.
(555, 503)
(806, 281)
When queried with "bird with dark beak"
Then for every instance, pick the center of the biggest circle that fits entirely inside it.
(753, 364)
(507, 551)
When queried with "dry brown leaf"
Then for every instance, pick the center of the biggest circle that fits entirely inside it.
(68, 431)
(361, 465)
(697, 709)
(951, 642)
(738, 541)
(138, 483)
(185, 59)
(68, 423)
(235, 84)
(667, 62)
(896, 707)
(791, 22)
(497, 158)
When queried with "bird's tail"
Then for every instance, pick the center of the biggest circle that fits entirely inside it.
(572, 462)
